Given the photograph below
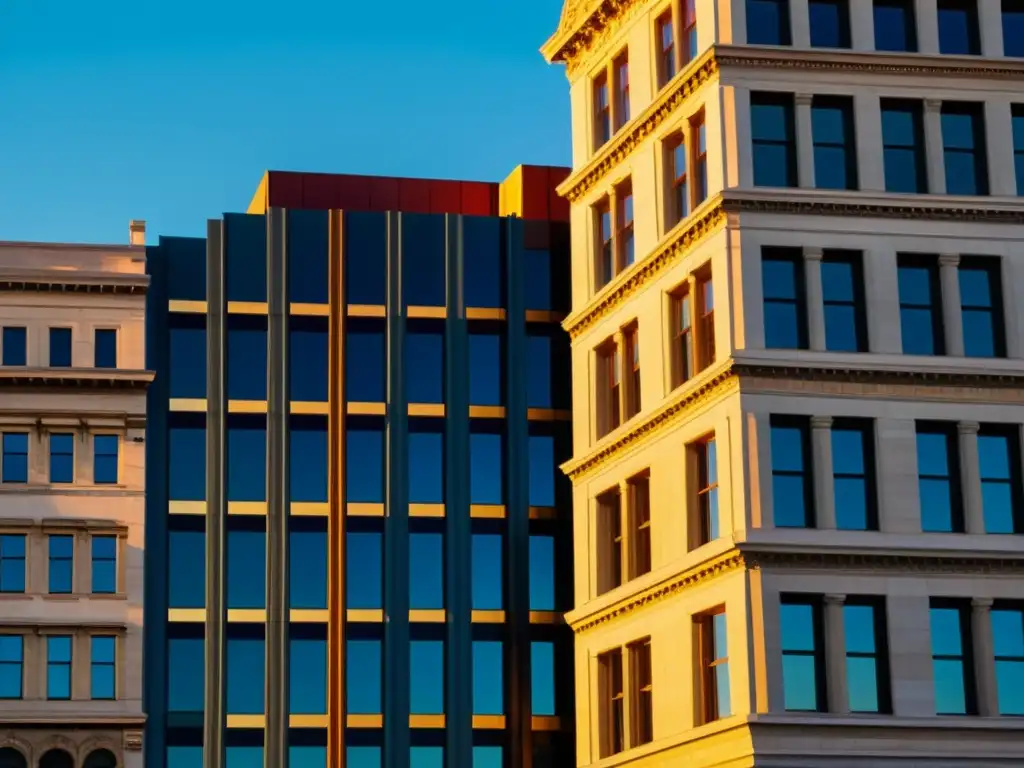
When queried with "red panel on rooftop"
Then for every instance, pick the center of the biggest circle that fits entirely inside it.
(414, 195)
(384, 193)
(284, 190)
(558, 207)
(318, 191)
(352, 193)
(478, 198)
(445, 197)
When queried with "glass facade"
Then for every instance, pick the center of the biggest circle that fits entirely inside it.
(471, 495)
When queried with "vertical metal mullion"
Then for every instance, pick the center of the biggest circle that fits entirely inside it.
(216, 499)
(396, 521)
(276, 683)
(458, 541)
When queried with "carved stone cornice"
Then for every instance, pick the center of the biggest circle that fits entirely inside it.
(877, 376)
(581, 181)
(55, 281)
(74, 378)
(674, 247)
(718, 384)
(584, 25)
(736, 202)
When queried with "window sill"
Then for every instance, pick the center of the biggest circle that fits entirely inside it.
(116, 596)
(63, 597)
(15, 596)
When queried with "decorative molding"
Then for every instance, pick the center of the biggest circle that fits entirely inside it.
(680, 240)
(735, 202)
(622, 145)
(1013, 383)
(718, 384)
(133, 741)
(867, 62)
(69, 282)
(74, 378)
(584, 26)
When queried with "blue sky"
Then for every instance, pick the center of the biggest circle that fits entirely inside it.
(170, 110)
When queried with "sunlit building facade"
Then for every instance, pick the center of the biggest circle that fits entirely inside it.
(360, 537)
(73, 384)
(797, 357)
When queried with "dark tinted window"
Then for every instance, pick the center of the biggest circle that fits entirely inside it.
(12, 652)
(537, 287)
(102, 667)
(938, 478)
(187, 356)
(999, 462)
(14, 346)
(963, 143)
(835, 148)
(768, 22)
(246, 257)
(307, 256)
(185, 666)
(105, 460)
(62, 564)
(486, 468)
(245, 665)
(539, 351)
(1013, 28)
(426, 467)
(486, 581)
(542, 671)
(1018, 144)
(774, 143)
(363, 677)
(186, 268)
(958, 27)
(542, 573)
(364, 362)
(365, 258)
(104, 565)
(982, 307)
(15, 459)
(866, 655)
(484, 264)
(895, 25)
(186, 572)
(830, 23)
(486, 368)
(60, 347)
(308, 466)
(542, 471)
(12, 562)
(792, 489)
(903, 147)
(307, 670)
(58, 667)
(247, 459)
(247, 358)
(307, 562)
(853, 473)
(106, 348)
(842, 284)
(308, 338)
(920, 306)
(951, 658)
(364, 572)
(785, 303)
(423, 269)
(247, 563)
(426, 571)
(62, 457)
(426, 677)
(364, 475)
(424, 366)
(488, 678)
(186, 464)
(1008, 643)
(803, 667)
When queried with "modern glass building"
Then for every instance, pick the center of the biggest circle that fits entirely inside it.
(358, 543)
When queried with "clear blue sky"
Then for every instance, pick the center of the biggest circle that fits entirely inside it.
(170, 110)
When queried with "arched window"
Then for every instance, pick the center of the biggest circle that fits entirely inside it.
(57, 758)
(100, 758)
(12, 758)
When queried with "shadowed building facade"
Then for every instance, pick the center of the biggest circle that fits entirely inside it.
(360, 534)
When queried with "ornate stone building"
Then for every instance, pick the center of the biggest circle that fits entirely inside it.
(72, 427)
(797, 366)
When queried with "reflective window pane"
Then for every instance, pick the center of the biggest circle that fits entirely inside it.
(426, 677)
(486, 468)
(245, 664)
(364, 473)
(365, 368)
(426, 571)
(487, 565)
(486, 369)
(426, 467)
(365, 258)
(363, 677)
(488, 678)
(424, 367)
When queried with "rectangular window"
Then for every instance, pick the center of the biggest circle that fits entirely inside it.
(484, 273)
(103, 680)
(712, 646)
(488, 677)
(958, 27)
(774, 138)
(608, 384)
(15, 459)
(540, 361)
(185, 673)
(842, 283)
(308, 358)
(604, 270)
(683, 367)
(689, 36)
(104, 565)
(698, 136)
(768, 22)
(62, 457)
(12, 655)
(895, 26)
(246, 662)
(641, 693)
(705, 453)
(106, 348)
(665, 39)
(830, 23)
(245, 257)
(631, 340)
(426, 677)
(308, 270)
(487, 583)
(612, 703)
(624, 226)
(679, 195)
(60, 347)
(105, 461)
(853, 473)
(609, 526)
(364, 569)
(186, 546)
(903, 146)
(792, 476)
(543, 680)
(981, 304)
(952, 652)
(12, 562)
(706, 319)
(1008, 643)
(867, 657)
(307, 674)
(247, 564)
(426, 467)
(486, 369)
(62, 564)
(785, 298)
(186, 372)
(1018, 134)
(366, 239)
(602, 111)
(803, 654)
(938, 477)
(963, 147)
(58, 667)
(920, 305)
(247, 357)
(363, 676)
(1001, 494)
(486, 468)
(15, 346)
(307, 563)
(423, 265)
(247, 458)
(307, 444)
(1013, 30)
(835, 144)
(426, 571)
(186, 462)
(542, 573)
(424, 366)
(639, 490)
(620, 71)
(365, 361)
(541, 450)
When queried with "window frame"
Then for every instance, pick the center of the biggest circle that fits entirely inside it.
(675, 147)
(708, 706)
(880, 655)
(845, 106)
(601, 93)
(978, 151)
(859, 302)
(60, 664)
(665, 51)
(606, 249)
(948, 429)
(611, 703)
(641, 692)
(623, 237)
(992, 267)
(866, 428)
(967, 651)
(789, 141)
(682, 338)
(630, 375)
(638, 511)
(708, 524)
(914, 108)
(795, 257)
(931, 264)
(803, 425)
(815, 602)
(609, 396)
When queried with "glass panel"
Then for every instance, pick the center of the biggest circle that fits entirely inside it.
(426, 757)
(489, 757)
(426, 677)
(483, 271)
(12, 562)
(542, 471)
(486, 581)
(426, 571)
(245, 658)
(363, 677)
(247, 569)
(364, 456)
(488, 685)
(60, 347)
(62, 458)
(307, 443)
(423, 269)
(365, 368)
(364, 570)
(538, 371)
(308, 272)
(486, 469)
(424, 371)
(58, 667)
(950, 697)
(486, 369)
(307, 676)
(247, 358)
(186, 464)
(185, 669)
(862, 674)
(426, 468)
(186, 571)
(542, 573)
(15, 459)
(307, 566)
(246, 459)
(187, 356)
(363, 757)
(185, 260)
(799, 676)
(895, 26)
(62, 564)
(830, 24)
(245, 245)
(14, 346)
(946, 629)
(542, 670)
(103, 678)
(106, 348)
(797, 626)
(105, 460)
(365, 258)
(958, 27)
(768, 22)
(104, 564)
(307, 374)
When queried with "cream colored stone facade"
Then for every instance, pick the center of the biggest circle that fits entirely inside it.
(82, 288)
(753, 565)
